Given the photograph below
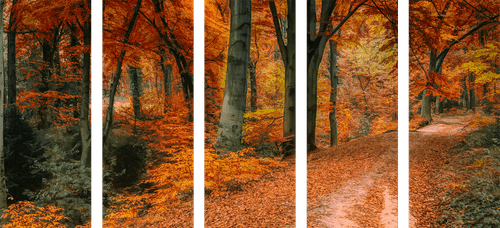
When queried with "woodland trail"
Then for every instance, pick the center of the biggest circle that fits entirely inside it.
(351, 185)
(369, 198)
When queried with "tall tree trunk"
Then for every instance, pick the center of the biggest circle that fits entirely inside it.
(253, 85)
(11, 58)
(316, 43)
(109, 115)
(46, 72)
(135, 84)
(288, 56)
(333, 94)
(85, 95)
(167, 75)
(3, 185)
(465, 94)
(75, 63)
(472, 94)
(233, 106)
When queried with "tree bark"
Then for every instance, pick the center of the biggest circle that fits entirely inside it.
(48, 50)
(85, 95)
(11, 58)
(253, 85)
(333, 94)
(465, 94)
(109, 115)
(472, 94)
(288, 57)
(135, 84)
(233, 106)
(167, 80)
(3, 185)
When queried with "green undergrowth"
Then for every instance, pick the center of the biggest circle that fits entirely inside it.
(472, 195)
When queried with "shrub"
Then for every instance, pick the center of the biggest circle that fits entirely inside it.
(22, 150)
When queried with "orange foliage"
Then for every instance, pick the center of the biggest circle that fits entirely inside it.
(26, 214)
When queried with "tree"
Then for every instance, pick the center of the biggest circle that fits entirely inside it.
(316, 39)
(229, 134)
(333, 69)
(3, 186)
(85, 91)
(11, 56)
(316, 43)
(135, 84)
(435, 27)
(116, 79)
(288, 55)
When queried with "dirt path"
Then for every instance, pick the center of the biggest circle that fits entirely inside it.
(370, 199)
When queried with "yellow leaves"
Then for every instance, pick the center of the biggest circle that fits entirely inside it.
(26, 214)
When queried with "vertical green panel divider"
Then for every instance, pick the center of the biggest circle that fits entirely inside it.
(198, 113)
(301, 114)
(96, 113)
(403, 113)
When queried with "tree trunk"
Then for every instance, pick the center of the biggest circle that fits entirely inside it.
(253, 85)
(465, 95)
(316, 43)
(135, 84)
(46, 72)
(333, 94)
(288, 57)
(167, 80)
(233, 106)
(75, 63)
(85, 96)
(472, 94)
(439, 105)
(11, 58)
(3, 186)
(109, 115)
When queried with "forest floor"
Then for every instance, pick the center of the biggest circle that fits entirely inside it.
(351, 185)
(355, 184)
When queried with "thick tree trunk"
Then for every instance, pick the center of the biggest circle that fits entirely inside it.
(253, 85)
(109, 115)
(333, 94)
(135, 84)
(85, 96)
(3, 184)
(11, 58)
(233, 106)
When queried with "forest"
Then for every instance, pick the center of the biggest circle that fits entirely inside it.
(250, 113)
